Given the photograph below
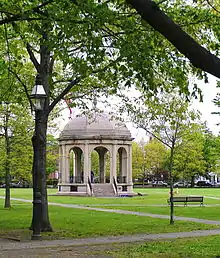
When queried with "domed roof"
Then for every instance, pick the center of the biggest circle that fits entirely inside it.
(98, 126)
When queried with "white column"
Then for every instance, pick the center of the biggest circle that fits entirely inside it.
(102, 160)
(86, 171)
(78, 163)
(63, 165)
(113, 163)
(129, 164)
(60, 164)
(67, 165)
(121, 165)
(125, 164)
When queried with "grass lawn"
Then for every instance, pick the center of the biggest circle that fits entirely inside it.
(75, 223)
(155, 196)
(184, 248)
(158, 196)
(69, 222)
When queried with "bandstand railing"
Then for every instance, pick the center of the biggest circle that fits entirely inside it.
(76, 179)
(122, 179)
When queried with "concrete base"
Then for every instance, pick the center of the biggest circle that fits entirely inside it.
(72, 194)
(98, 190)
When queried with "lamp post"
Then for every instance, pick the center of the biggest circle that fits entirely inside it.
(38, 97)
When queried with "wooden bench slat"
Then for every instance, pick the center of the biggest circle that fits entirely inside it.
(186, 199)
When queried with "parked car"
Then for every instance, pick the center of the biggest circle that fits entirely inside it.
(178, 184)
(216, 184)
(181, 184)
(159, 184)
(16, 185)
(204, 184)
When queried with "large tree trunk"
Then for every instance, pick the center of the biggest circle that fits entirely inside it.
(198, 55)
(40, 217)
(44, 69)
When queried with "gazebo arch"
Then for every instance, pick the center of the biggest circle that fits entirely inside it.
(76, 175)
(78, 139)
(102, 151)
(122, 165)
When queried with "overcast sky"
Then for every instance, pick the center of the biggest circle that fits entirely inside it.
(206, 107)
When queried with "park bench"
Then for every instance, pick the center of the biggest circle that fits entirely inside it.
(186, 199)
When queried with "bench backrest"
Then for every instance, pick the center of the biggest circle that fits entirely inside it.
(179, 199)
(187, 199)
(194, 198)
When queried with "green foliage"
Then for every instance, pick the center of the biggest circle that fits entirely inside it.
(52, 155)
(156, 156)
(138, 160)
(102, 43)
(189, 157)
(211, 152)
(95, 163)
(148, 159)
(165, 116)
(20, 129)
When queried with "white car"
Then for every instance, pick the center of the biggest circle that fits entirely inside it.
(159, 184)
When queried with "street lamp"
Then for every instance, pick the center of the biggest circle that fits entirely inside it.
(38, 97)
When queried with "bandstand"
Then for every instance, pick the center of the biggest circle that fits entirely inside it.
(112, 141)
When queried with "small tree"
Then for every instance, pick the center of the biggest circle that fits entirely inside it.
(165, 118)
(16, 151)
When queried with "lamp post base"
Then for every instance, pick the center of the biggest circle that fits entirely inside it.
(36, 237)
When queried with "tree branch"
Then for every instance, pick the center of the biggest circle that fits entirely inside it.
(198, 55)
(33, 58)
(51, 64)
(24, 86)
(24, 16)
(154, 135)
(63, 93)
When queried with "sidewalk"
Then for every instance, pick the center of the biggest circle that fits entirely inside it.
(9, 245)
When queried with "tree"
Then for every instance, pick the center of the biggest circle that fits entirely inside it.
(151, 13)
(148, 160)
(198, 55)
(138, 161)
(52, 155)
(165, 117)
(16, 151)
(6, 161)
(78, 49)
(189, 157)
(156, 157)
(211, 152)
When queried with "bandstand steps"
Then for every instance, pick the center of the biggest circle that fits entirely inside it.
(103, 190)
